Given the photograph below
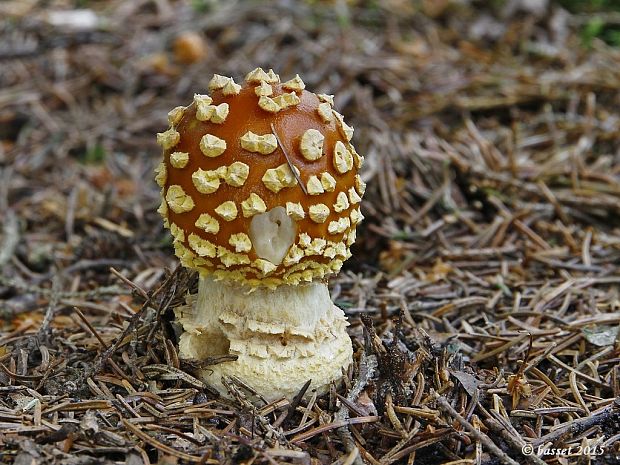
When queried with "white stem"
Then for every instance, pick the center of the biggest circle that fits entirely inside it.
(282, 337)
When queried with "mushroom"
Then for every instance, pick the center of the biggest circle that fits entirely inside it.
(261, 194)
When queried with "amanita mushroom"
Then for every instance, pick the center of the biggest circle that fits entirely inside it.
(261, 194)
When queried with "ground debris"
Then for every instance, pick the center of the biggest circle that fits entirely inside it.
(483, 293)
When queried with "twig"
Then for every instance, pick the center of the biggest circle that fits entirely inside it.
(133, 321)
(334, 425)
(480, 436)
(293, 406)
(516, 442)
(95, 333)
(611, 413)
(51, 309)
(161, 446)
(368, 365)
(10, 237)
(134, 286)
(97, 292)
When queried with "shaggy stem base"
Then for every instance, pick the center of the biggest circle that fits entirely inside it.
(282, 337)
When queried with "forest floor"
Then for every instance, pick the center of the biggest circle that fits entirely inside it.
(483, 292)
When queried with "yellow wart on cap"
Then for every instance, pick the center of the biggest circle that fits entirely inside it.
(311, 144)
(241, 242)
(206, 182)
(360, 185)
(168, 139)
(202, 99)
(163, 210)
(295, 84)
(328, 182)
(330, 251)
(236, 174)
(201, 246)
(229, 258)
(215, 113)
(257, 75)
(263, 89)
(179, 159)
(343, 160)
(207, 223)
(318, 213)
(227, 210)
(175, 115)
(325, 112)
(353, 196)
(264, 144)
(342, 202)
(293, 256)
(231, 88)
(316, 246)
(160, 174)
(304, 240)
(178, 200)
(276, 179)
(286, 100)
(253, 205)
(345, 129)
(356, 216)
(314, 186)
(177, 233)
(212, 146)
(268, 104)
(185, 255)
(273, 78)
(351, 236)
(265, 266)
(295, 211)
(340, 226)
(357, 158)
(217, 82)
(326, 98)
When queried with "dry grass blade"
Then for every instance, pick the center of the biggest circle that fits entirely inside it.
(331, 426)
(163, 447)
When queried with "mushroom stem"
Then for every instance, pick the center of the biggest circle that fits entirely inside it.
(282, 337)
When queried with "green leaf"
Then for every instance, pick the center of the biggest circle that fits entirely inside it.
(94, 155)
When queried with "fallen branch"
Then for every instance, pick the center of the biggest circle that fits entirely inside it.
(368, 365)
(610, 413)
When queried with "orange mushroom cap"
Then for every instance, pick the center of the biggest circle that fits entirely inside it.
(246, 150)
